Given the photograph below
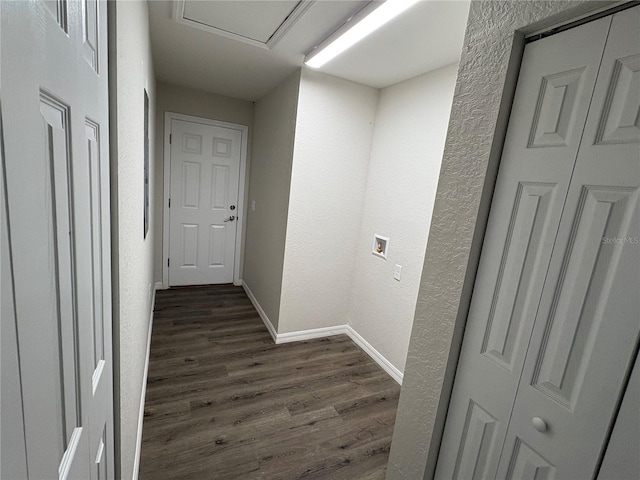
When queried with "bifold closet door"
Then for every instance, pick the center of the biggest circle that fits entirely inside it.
(588, 322)
(555, 85)
(554, 320)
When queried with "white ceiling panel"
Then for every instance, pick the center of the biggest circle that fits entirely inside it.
(255, 20)
(261, 23)
(240, 65)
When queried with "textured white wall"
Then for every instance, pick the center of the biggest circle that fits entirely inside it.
(134, 256)
(171, 98)
(408, 141)
(481, 103)
(332, 145)
(269, 181)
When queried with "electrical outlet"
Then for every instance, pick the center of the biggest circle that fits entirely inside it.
(397, 272)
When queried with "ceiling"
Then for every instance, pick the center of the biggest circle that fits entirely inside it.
(244, 48)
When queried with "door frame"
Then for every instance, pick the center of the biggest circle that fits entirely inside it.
(242, 181)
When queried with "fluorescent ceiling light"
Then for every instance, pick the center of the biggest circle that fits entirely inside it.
(378, 17)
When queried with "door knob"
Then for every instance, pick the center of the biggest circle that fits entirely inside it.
(539, 424)
(230, 219)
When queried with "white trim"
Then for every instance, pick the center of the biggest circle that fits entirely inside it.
(298, 336)
(166, 161)
(168, 117)
(143, 393)
(289, 22)
(376, 239)
(311, 333)
(159, 286)
(388, 367)
(301, 335)
(261, 312)
(609, 6)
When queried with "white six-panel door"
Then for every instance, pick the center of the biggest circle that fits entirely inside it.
(553, 307)
(55, 132)
(205, 173)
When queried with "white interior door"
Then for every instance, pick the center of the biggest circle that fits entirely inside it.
(13, 455)
(56, 160)
(545, 127)
(588, 321)
(621, 459)
(554, 318)
(205, 173)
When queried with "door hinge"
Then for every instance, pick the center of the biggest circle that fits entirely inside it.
(167, 262)
(169, 203)
(170, 139)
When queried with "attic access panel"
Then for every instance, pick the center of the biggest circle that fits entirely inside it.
(258, 23)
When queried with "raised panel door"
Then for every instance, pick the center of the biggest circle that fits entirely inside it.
(13, 455)
(621, 459)
(55, 133)
(543, 137)
(588, 322)
(205, 170)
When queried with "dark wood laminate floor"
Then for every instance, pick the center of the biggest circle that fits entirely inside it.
(224, 402)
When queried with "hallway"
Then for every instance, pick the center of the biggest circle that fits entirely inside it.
(224, 402)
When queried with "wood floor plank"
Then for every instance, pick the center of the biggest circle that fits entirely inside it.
(224, 402)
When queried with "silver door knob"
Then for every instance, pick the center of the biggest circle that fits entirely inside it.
(230, 219)
(539, 424)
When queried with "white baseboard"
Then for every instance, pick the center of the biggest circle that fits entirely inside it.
(160, 286)
(301, 335)
(261, 312)
(238, 283)
(136, 464)
(311, 333)
(388, 367)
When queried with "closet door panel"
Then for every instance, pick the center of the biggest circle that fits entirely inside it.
(543, 137)
(588, 323)
(621, 459)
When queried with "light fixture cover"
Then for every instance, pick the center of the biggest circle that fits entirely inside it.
(360, 29)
